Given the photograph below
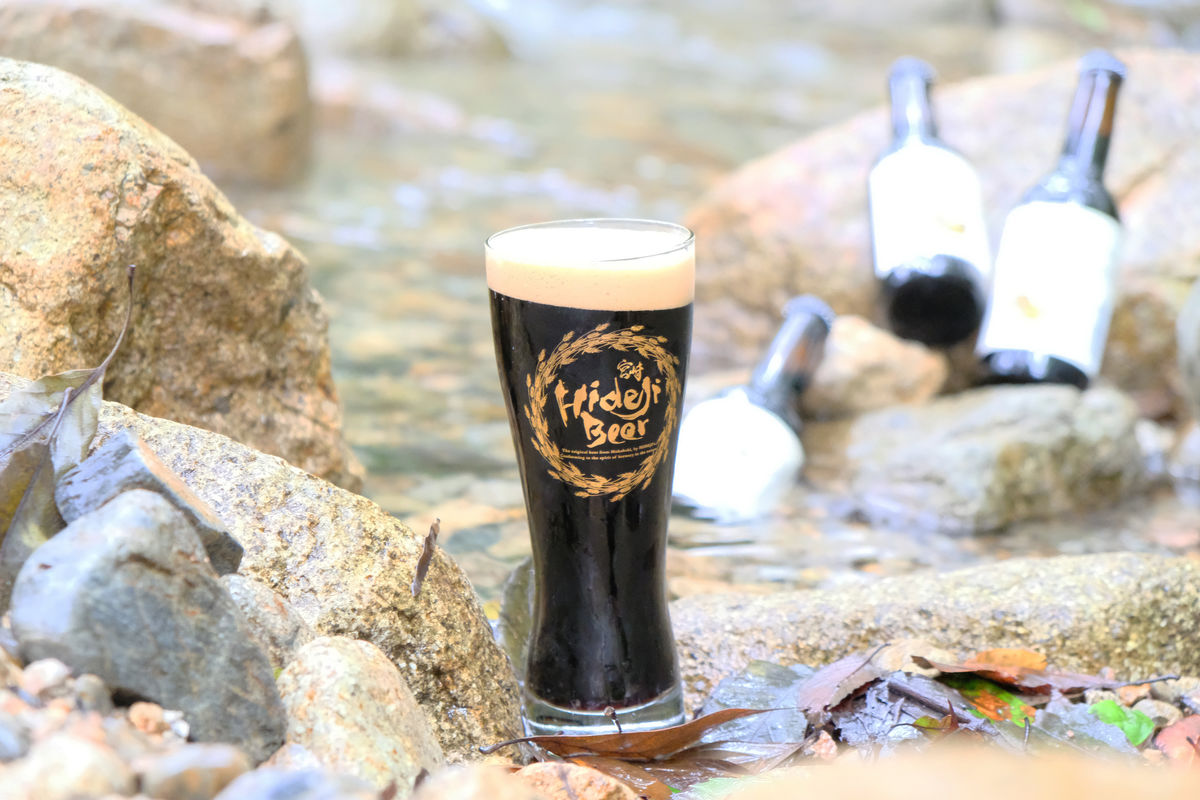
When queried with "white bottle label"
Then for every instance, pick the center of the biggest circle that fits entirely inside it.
(1053, 288)
(926, 201)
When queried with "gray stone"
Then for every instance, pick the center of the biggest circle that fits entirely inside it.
(192, 772)
(277, 784)
(127, 593)
(1138, 614)
(14, 737)
(1179, 690)
(228, 334)
(1163, 714)
(348, 705)
(124, 462)
(232, 90)
(65, 767)
(794, 221)
(92, 694)
(347, 566)
(983, 459)
(271, 619)
(866, 368)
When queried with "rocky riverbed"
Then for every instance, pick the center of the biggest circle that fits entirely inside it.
(211, 619)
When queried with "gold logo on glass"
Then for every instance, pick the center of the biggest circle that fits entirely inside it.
(615, 413)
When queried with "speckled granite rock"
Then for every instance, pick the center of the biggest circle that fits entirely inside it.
(348, 706)
(346, 566)
(271, 619)
(476, 783)
(867, 368)
(231, 90)
(559, 781)
(983, 459)
(65, 767)
(1138, 614)
(228, 333)
(795, 221)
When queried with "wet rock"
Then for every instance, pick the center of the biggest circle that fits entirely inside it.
(233, 91)
(1134, 613)
(126, 593)
(986, 458)
(272, 621)
(563, 781)
(867, 368)
(122, 463)
(65, 767)
(795, 221)
(476, 783)
(229, 335)
(347, 566)
(277, 784)
(192, 772)
(348, 705)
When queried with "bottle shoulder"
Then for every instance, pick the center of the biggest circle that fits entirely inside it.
(1059, 187)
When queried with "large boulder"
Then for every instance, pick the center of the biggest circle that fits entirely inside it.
(983, 459)
(233, 90)
(227, 333)
(795, 221)
(346, 566)
(1135, 613)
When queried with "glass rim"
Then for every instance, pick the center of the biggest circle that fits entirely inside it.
(687, 240)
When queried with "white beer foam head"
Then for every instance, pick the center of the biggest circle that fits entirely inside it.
(607, 264)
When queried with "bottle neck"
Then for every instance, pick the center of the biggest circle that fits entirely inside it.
(912, 112)
(1089, 125)
(787, 368)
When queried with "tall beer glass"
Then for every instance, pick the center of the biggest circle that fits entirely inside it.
(592, 322)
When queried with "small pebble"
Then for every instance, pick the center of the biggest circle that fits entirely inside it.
(192, 772)
(14, 737)
(148, 718)
(63, 767)
(46, 679)
(92, 694)
(275, 784)
(1163, 714)
(562, 781)
(1174, 691)
(1092, 696)
(1131, 694)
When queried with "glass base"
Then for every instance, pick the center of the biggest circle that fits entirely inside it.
(542, 718)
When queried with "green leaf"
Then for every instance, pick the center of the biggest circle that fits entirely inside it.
(990, 700)
(1136, 726)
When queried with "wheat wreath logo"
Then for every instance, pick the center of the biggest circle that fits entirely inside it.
(629, 406)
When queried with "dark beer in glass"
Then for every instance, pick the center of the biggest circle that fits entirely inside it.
(592, 323)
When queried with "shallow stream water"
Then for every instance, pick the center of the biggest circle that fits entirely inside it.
(604, 109)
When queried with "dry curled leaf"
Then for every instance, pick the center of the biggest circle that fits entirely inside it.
(633, 746)
(426, 556)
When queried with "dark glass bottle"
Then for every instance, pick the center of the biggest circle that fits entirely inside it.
(1052, 294)
(740, 451)
(928, 231)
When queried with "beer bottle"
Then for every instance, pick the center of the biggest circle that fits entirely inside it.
(739, 451)
(927, 227)
(1054, 281)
